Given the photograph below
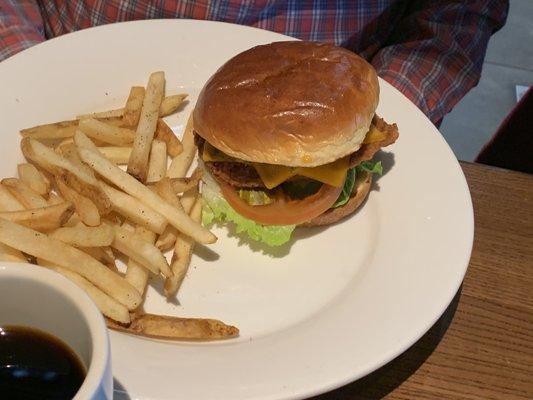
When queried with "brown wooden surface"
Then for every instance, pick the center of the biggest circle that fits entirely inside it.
(482, 347)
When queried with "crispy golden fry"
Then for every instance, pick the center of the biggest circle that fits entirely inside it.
(55, 199)
(59, 130)
(93, 193)
(86, 209)
(41, 219)
(106, 133)
(182, 255)
(182, 162)
(106, 304)
(70, 152)
(132, 111)
(167, 239)
(138, 249)
(56, 130)
(165, 190)
(136, 274)
(138, 163)
(8, 202)
(170, 104)
(103, 254)
(34, 178)
(28, 197)
(181, 185)
(167, 327)
(118, 155)
(53, 162)
(10, 254)
(40, 245)
(116, 113)
(83, 236)
(164, 133)
(157, 166)
(130, 185)
(134, 210)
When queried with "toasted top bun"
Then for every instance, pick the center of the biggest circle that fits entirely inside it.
(299, 104)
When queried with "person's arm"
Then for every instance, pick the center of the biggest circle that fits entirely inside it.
(436, 52)
(21, 26)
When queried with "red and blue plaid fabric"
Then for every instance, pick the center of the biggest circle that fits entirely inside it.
(431, 50)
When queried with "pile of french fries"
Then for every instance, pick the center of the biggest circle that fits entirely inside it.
(74, 210)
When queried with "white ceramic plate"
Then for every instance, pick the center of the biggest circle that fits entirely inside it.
(338, 303)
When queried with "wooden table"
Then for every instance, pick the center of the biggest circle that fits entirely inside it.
(482, 347)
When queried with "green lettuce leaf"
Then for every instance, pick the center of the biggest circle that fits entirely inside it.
(371, 167)
(217, 209)
(347, 189)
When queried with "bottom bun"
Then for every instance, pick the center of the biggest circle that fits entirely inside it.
(358, 196)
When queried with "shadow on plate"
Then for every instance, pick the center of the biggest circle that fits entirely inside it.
(383, 381)
(119, 391)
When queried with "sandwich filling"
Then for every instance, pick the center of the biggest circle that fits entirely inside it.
(268, 201)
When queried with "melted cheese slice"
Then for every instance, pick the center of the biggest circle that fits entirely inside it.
(332, 174)
(374, 135)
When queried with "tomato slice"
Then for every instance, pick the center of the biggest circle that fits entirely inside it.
(283, 211)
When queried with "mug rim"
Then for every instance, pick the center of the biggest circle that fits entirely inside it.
(100, 352)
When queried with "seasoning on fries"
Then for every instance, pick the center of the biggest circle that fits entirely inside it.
(73, 210)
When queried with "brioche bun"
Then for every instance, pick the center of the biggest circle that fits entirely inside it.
(299, 104)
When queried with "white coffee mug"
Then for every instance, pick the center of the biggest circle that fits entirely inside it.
(36, 297)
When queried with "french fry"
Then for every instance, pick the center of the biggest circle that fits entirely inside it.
(134, 210)
(130, 185)
(28, 197)
(132, 112)
(59, 130)
(93, 193)
(69, 152)
(34, 178)
(86, 209)
(8, 202)
(157, 165)
(74, 174)
(103, 254)
(138, 163)
(166, 240)
(56, 130)
(138, 249)
(182, 255)
(106, 304)
(118, 155)
(136, 274)
(83, 236)
(52, 162)
(55, 199)
(164, 133)
(41, 219)
(182, 162)
(170, 104)
(41, 246)
(167, 327)
(10, 254)
(181, 185)
(116, 113)
(168, 237)
(106, 133)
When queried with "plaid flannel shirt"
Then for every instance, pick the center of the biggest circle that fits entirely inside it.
(431, 50)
